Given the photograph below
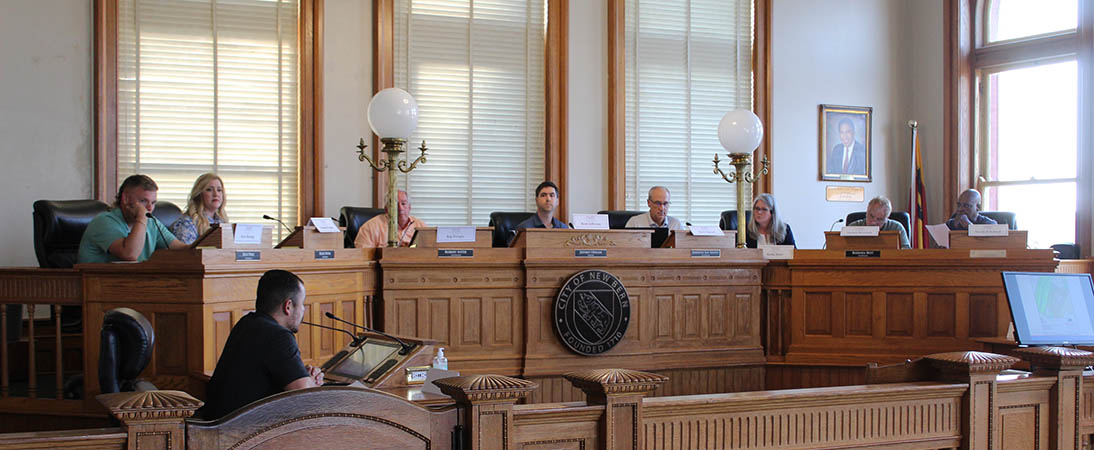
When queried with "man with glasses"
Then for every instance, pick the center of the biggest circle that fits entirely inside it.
(967, 212)
(658, 216)
(877, 215)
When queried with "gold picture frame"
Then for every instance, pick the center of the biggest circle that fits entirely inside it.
(846, 151)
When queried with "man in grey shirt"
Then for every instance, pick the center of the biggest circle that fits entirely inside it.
(658, 215)
(877, 215)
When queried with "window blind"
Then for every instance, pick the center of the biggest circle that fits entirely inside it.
(476, 69)
(688, 62)
(211, 86)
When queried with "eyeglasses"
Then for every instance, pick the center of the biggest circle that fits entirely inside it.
(966, 205)
(760, 209)
(660, 204)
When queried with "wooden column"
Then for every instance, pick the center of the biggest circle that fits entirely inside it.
(621, 392)
(487, 402)
(979, 407)
(1065, 398)
(153, 419)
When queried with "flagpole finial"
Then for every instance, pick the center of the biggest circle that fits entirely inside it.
(913, 124)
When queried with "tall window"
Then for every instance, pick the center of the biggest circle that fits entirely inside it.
(688, 62)
(476, 69)
(211, 86)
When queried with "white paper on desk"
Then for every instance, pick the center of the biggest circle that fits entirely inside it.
(778, 251)
(705, 230)
(940, 233)
(589, 221)
(455, 234)
(991, 229)
(248, 233)
(324, 225)
(859, 231)
(436, 374)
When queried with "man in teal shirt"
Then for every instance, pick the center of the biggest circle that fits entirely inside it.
(128, 232)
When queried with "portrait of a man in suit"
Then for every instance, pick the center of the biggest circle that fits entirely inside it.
(845, 144)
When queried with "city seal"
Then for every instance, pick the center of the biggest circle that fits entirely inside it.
(591, 312)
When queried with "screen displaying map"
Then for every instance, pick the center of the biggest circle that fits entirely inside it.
(1051, 308)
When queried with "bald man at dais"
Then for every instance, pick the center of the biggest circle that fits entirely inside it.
(658, 215)
(967, 212)
(373, 234)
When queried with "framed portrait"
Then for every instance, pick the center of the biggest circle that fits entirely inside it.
(845, 148)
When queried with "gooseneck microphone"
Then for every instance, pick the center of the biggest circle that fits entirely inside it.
(268, 217)
(405, 347)
(833, 227)
(356, 339)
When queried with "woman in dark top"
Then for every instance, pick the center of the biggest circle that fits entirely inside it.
(766, 227)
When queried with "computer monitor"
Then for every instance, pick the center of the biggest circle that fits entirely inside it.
(359, 362)
(1051, 308)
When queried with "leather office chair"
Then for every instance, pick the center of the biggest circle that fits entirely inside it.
(505, 224)
(617, 219)
(58, 227)
(1006, 217)
(729, 219)
(352, 217)
(124, 351)
(166, 212)
(899, 216)
(1066, 251)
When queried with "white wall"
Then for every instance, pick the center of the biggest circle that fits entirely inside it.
(846, 52)
(587, 145)
(45, 114)
(927, 85)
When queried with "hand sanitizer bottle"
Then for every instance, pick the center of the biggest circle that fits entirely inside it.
(439, 361)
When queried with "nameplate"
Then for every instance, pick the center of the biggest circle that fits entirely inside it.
(859, 231)
(590, 221)
(863, 253)
(705, 230)
(778, 251)
(324, 254)
(248, 255)
(324, 225)
(248, 233)
(713, 253)
(456, 252)
(989, 230)
(455, 234)
(987, 253)
(590, 253)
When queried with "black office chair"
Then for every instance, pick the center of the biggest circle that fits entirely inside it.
(617, 219)
(1067, 251)
(1006, 217)
(505, 224)
(728, 221)
(124, 351)
(352, 217)
(58, 227)
(899, 216)
(166, 212)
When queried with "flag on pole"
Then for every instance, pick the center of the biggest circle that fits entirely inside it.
(917, 200)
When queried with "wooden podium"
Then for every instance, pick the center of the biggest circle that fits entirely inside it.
(551, 238)
(684, 239)
(221, 236)
(427, 237)
(1015, 239)
(309, 237)
(883, 241)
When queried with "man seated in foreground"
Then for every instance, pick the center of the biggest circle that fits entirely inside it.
(546, 202)
(261, 357)
(128, 231)
(967, 212)
(373, 233)
(877, 215)
(658, 216)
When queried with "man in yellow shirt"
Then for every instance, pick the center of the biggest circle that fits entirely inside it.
(373, 234)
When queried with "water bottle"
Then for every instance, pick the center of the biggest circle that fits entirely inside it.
(439, 361)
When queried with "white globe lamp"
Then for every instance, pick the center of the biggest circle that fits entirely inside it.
(393, 113)
(740, 131)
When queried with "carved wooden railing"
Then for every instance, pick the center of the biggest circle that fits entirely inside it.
(959, 401)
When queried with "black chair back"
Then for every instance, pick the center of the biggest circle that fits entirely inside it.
(1066, 251)
(617, 219)
(166, 212)
(1006, 217)
(352, 217)
(899, 216)
(58, 227)
(125, 348)
(505, 224)
(729, 219)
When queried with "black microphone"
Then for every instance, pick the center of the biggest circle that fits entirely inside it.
(687, 223)
(356, 339)
(571, 224)
(268, 217)
(405, 347)
(834, 224)
(148, 215)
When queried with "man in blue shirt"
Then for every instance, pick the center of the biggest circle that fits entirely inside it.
(546, 202)
(967, 212)
(128, 232)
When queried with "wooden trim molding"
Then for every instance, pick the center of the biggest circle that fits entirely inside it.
(617, 127)
(556, 67)
(959, 96)
(105, 153)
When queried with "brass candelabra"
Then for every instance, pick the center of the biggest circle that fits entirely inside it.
(393, 148)
(742, 163)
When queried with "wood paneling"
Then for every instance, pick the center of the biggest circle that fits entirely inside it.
(784, 376)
